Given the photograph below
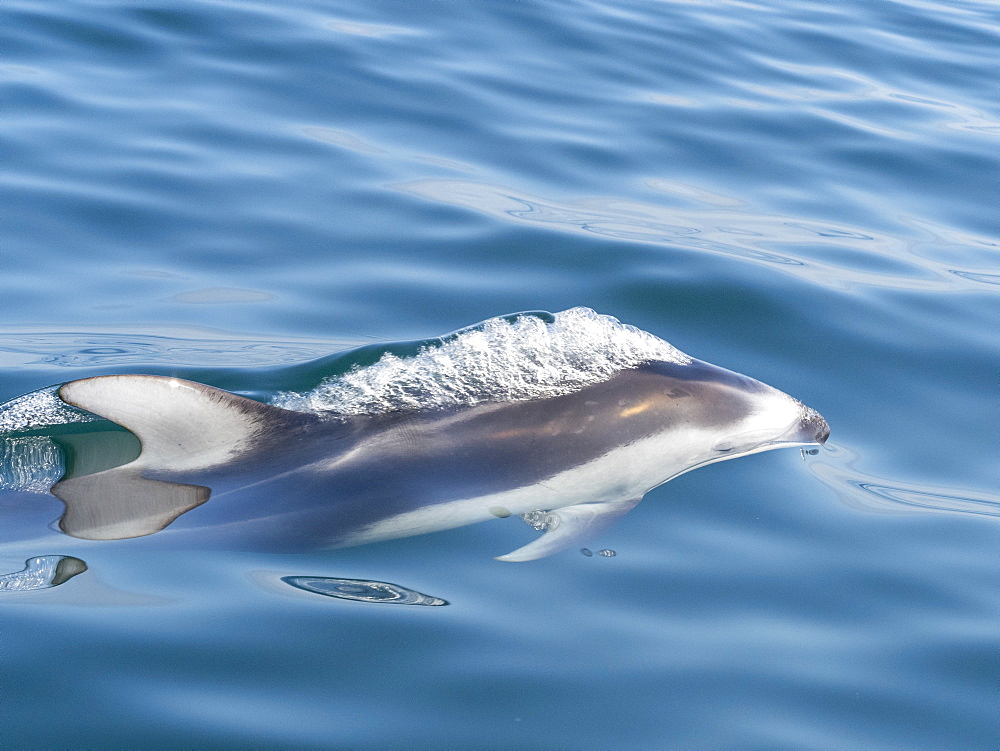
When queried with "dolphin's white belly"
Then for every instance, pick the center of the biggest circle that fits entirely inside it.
(621, 474)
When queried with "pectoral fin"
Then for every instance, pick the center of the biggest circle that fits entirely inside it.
(121, 503)
(572, 526)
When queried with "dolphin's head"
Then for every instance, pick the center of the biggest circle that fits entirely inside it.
(695, 413)
(752, 415)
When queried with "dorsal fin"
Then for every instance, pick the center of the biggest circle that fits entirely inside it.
(182, 425)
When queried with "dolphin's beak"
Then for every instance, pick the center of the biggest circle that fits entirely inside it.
(809, 428)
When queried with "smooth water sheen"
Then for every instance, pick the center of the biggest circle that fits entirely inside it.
(262, 196)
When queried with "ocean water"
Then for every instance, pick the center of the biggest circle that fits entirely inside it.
(245, 193)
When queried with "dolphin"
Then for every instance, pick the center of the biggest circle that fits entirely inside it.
(570, 461)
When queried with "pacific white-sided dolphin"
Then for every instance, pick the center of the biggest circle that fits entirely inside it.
(586, 452)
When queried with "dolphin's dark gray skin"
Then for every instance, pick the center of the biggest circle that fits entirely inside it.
(588, 456)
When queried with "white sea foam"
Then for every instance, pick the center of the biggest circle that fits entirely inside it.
(500, 360)
(39, 409)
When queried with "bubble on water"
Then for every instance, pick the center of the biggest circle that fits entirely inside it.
(30, 463)
(607, 553)
(42, 572)
(586, 551)
(541, 520)
(361, 590)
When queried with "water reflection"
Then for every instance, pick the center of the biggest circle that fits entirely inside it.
(42, 572)
(362, 590)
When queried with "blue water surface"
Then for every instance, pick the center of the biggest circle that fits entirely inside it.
(804, 192)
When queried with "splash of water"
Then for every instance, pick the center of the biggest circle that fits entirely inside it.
(501, 360)
(39, 409)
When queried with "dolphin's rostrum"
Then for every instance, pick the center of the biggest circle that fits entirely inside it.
(584, 447)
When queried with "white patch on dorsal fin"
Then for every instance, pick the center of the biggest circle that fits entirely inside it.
(575, 525)
(182, 425)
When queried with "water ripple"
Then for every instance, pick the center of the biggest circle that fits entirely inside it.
(873, 493)
(102, 350)
(832, 256)
(362, 590)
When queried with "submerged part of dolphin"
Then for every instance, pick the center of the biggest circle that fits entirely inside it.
(577, 416)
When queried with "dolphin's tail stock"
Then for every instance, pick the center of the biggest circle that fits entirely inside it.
(183, 427)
